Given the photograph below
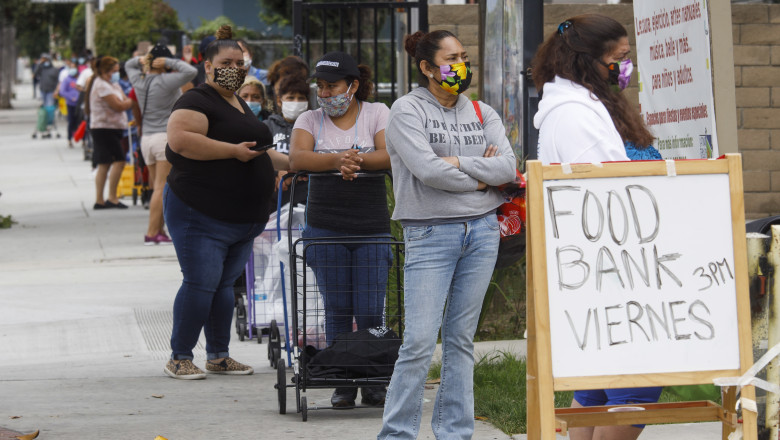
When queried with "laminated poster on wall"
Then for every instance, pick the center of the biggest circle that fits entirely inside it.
(675, 76)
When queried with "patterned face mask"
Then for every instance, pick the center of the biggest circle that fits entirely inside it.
(229, 78)
(455, 78)
(336, 106)
(619, 73)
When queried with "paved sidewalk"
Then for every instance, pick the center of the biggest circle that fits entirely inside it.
(85, 317)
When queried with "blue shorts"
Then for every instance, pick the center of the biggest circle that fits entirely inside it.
(618, 396)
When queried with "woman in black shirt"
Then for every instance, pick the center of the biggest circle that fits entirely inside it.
(215, 205)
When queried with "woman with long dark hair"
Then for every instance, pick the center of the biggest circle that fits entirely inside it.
(581, 70)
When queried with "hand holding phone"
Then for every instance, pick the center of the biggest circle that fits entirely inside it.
(262, 147)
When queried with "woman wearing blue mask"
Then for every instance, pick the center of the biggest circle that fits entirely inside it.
(346, 134)
(106, 106)
(253, 93)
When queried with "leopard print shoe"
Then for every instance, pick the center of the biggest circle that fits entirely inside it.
(228, 366)
(184, 369)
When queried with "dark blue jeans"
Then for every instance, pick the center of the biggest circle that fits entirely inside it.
(352, 279)
(212, 254)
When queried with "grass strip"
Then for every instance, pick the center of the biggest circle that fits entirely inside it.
(499, 391)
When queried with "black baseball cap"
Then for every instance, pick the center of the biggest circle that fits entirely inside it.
(161, 50)
(334, 66)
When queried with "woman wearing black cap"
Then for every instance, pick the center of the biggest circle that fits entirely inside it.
(157, 79)
(346, 134)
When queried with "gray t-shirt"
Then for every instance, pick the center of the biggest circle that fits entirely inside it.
(157, 93)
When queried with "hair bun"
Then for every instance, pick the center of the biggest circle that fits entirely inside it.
(410, 42)
(225, 32)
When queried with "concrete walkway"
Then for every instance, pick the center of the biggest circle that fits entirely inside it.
(85, 318)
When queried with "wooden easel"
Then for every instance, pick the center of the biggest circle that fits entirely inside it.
(543, 419)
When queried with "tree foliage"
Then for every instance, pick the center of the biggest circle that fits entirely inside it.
(33, 21)
(78, 29)
(209, 27)
(124, 23)
(278, 12)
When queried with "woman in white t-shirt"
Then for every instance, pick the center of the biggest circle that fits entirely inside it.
(106, 108)
(346, 134)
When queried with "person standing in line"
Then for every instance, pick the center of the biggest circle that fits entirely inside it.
(289, 65)
(347, 134)
(253, 93)
(68, 90)
(48, 76)
(448, 154)
(260, 74)
(292, 101)
(581, 70)
(107, 124)
(215, 204)
(157, 79)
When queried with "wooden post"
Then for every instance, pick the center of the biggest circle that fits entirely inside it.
(722, 48)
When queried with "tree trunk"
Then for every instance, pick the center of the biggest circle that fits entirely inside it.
(7, 61)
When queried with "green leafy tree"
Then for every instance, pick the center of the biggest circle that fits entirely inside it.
(78, 29)
(123, 23)
(209, 27)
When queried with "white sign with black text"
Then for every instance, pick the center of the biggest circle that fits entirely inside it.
(640, 275)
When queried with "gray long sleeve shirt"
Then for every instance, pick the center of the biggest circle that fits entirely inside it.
(420, 131)
(157, 93)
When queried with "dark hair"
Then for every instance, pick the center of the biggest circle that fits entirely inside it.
(294, 84)
(288, 65)
(422, 46)
(243, 43)
(365, 85)
(573, 52)
(224, 41)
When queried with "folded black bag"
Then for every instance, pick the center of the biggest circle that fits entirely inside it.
(365, 353)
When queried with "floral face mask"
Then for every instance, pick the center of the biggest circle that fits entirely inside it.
(336, 106)
(455, 78)
(619, 73)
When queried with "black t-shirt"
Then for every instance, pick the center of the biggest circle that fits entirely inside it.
(225, 189)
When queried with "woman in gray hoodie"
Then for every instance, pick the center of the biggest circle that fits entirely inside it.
(447, 154)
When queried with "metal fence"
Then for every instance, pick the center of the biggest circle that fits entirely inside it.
(372, 32)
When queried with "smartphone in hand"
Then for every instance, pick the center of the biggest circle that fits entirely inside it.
(262, 147)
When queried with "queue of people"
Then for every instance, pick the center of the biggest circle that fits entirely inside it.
(203, 130)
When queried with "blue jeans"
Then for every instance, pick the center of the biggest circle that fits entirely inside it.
(448, 265)
(48, 99)
(352, 279)
(212, 254)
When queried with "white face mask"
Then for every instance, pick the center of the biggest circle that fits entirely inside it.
(247, 62)
(292, 109)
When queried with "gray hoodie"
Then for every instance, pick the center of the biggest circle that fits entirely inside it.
(161, 90)
(428, 189)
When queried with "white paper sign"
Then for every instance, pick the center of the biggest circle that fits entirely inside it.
(640, 275)
(675, 76)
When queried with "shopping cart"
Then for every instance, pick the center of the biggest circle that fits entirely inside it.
(46, 122)
(365, 358)
(262, 297)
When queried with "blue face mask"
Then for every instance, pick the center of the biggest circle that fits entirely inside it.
(82, 60)
(114, 77)
(256, 107)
